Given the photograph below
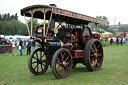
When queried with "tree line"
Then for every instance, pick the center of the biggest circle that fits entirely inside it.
(10, 25)
(7, 17)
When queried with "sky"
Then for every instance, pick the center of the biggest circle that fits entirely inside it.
(115, 10)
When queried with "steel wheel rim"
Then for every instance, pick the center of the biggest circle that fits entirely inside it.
(37, 62)
(96, 55)
(63, 64)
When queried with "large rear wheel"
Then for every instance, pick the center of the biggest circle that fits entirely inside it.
(61, 63)
(93, 55)
(36, 62)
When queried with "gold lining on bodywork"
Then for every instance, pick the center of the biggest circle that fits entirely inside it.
(37, 39)
(61, 43)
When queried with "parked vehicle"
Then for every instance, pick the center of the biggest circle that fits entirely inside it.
(65, 45)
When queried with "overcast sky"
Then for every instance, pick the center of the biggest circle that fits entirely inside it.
(113, 9)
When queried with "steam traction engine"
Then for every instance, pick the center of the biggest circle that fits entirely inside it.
(63, 45)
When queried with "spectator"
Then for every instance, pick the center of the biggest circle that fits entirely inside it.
(15, 45)
(33, 45)
(24, 43)
(10, 46)
(97, 37)
(20, 46)
(117, 41)
(111, 41)
(103, 42)
(106, 41)
(1, 41)
(29, 47)
(121, 42)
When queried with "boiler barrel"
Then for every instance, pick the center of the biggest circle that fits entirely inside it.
(55, 44)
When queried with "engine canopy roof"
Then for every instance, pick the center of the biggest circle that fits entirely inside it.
(61, 14)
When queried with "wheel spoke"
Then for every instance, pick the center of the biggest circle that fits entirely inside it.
(99, 54)
(94, 47)
(92, 50)
(98, 46)
(92, 64)
(41, 67)
(34, 62)
(67, 63)
(66, 67)
(58, 59)
(43, 64)
(63, 56)
(34, 57)
(91, 54)
(92, 60)
(37, 55)
(58, 67)
(62, 70)
(35, 67)
(41, 56)
(59, 63)
(97, 63)
(67, 58)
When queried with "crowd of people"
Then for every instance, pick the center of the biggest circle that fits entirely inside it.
(4, 44)
(23, 44)
(29, 44)
(117, 41)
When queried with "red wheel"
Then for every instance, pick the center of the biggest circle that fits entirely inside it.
(61, 63)
(36, 62)
(93, 55)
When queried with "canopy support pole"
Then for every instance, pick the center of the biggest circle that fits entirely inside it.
(103, 28)
(44, 25)
(27, 25)
(49, 24)
(96, 28)
(31, 23)
(44, 30)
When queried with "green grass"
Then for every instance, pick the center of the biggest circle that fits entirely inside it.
(14, 71)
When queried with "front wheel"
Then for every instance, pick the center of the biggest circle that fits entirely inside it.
(93, 55)
(61, 63)
(36, 62)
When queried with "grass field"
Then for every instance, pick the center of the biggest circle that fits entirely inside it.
(14, 71)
